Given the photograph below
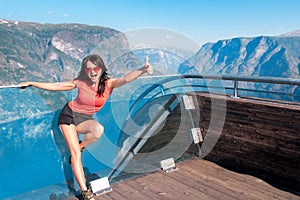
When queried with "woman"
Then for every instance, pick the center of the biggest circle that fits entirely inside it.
(94, 87)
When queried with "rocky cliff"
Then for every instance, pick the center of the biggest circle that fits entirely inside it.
(255, 56)
(258, 56)
(52, 52)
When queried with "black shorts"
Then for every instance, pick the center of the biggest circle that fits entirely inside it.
(67, 116)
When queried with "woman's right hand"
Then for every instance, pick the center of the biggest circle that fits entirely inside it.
(24, 85)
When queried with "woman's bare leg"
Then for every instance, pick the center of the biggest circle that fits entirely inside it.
(71, 137)
(92, 130)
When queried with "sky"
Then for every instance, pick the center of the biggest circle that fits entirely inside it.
(201, 21)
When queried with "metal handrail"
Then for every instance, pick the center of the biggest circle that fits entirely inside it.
(257, 79)
(264, 79)
(235, 78)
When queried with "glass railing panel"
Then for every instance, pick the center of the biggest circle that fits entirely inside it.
(33, 151)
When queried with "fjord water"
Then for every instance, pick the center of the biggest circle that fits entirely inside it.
(33, 153)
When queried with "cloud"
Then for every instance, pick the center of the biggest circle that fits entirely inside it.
(49, 12)
(66, 15)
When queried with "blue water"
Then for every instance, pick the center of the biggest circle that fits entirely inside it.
(33, 153)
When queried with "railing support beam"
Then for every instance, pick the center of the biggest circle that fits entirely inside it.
(236, 85)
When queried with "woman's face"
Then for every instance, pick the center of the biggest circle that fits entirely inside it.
(93, 71)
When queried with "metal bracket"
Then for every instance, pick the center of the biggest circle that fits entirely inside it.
(168, 165)
(188, 102)
(196, 134)
(100, 186)
(198, 138)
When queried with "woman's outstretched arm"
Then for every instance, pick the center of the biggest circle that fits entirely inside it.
(60, 86)
(132, 75)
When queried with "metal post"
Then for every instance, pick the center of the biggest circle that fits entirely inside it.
(162, 89)
(235, 89)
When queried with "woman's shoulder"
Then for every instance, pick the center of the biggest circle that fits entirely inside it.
(111, 83)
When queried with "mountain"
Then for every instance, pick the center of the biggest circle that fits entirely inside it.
(52, 52)
(292, 33)
(253, 56)
(258, 56)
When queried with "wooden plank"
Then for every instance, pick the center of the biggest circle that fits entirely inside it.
(113, 195)
(142, 186)
(244, 186)
(200, 183)
(218, 179)
(170, 189)
(128, 192)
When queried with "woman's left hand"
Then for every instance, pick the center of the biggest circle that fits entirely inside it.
(148, 67)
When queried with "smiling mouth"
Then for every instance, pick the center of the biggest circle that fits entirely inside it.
(93, 75)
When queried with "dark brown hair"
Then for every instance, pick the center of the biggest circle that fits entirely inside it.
(96, 60)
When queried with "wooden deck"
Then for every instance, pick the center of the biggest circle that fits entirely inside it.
(195, 179)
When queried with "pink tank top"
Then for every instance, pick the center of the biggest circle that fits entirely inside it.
(87, 101)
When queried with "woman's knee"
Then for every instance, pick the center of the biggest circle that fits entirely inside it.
(75, 154)
(93, 129)
(97, 131)
(74, 159)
